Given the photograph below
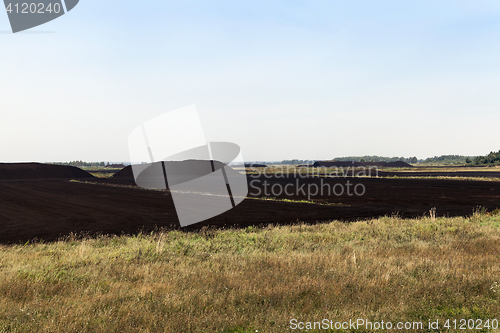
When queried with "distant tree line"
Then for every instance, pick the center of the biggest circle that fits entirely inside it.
(448, 159)
(81, 164)
(367, 158)
(375, 158)
(490, 159)
(297, 162)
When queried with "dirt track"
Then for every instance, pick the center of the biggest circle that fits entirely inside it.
(48, 209)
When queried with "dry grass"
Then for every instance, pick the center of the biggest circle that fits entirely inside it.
(255, 279)
(102, 174)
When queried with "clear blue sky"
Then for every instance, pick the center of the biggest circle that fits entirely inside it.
(283, 79)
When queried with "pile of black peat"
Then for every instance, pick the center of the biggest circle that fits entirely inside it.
(24, 171)
(152, 175)
(344, 164)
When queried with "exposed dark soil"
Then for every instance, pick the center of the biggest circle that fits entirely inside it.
(409, 197)
(486, 174)
(125, 173)
(49, 209)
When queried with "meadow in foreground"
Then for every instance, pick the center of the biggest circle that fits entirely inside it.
(255, 279)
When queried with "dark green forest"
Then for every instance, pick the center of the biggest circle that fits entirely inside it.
(448, 159)
(490, 159)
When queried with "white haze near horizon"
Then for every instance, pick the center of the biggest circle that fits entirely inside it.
(282, 79)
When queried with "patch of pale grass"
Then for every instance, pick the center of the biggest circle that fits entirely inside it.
(252, 279)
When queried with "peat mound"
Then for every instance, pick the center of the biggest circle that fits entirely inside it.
(22, 171)
(125, 173)
(255, 165)
(181, 169)
(398, 164)
(344, 164)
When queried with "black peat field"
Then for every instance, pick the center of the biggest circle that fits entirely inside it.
(309, 250)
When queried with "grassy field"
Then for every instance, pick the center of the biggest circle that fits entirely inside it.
(256, 279)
